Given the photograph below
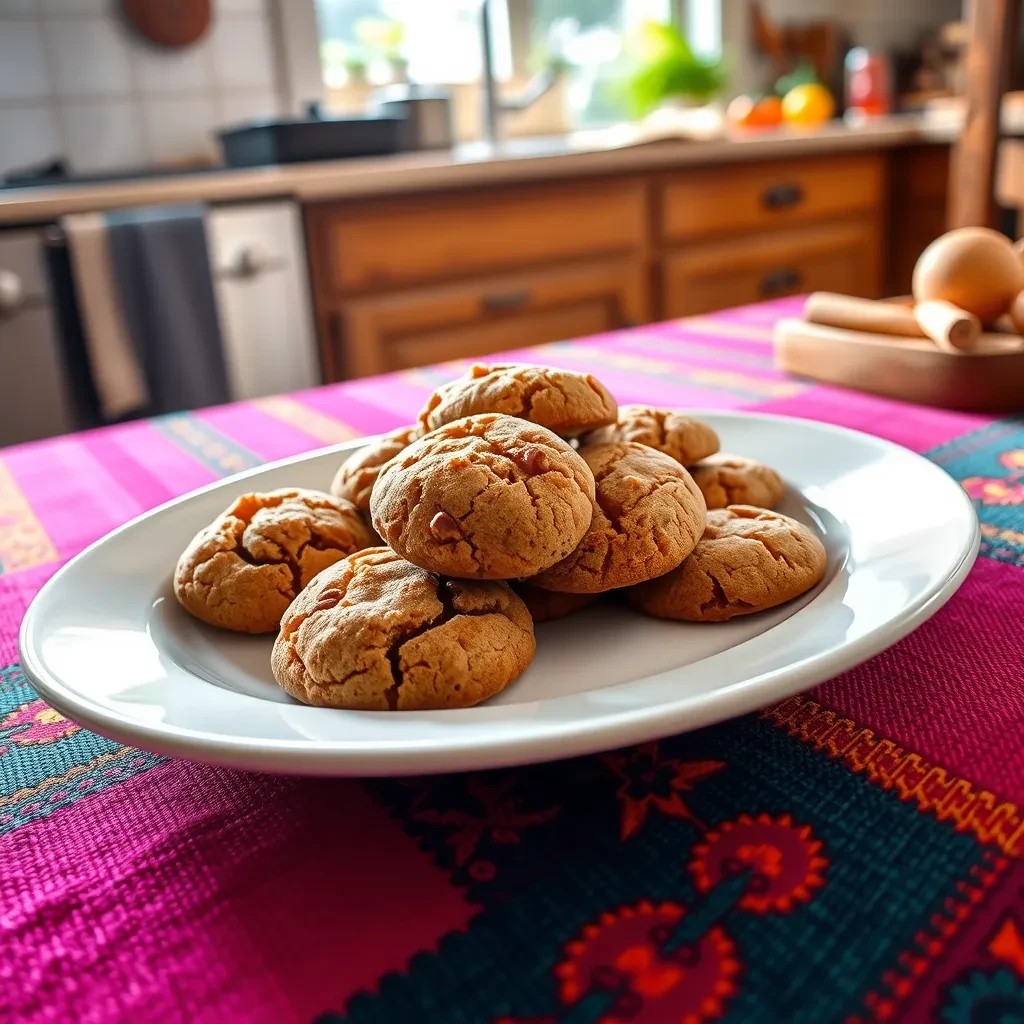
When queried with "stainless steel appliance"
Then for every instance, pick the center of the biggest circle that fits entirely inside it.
(34, 391)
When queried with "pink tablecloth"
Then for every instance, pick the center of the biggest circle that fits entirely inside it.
(853, 853)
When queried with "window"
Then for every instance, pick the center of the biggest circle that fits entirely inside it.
(431, 42)
(438, 42)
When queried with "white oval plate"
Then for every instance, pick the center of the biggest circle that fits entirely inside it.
(107, 645)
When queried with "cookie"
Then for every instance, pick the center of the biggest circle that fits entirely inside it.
(376, 633)
(243, 570)
(485, 497)
(683, 438)
(564, 401)
(356, 475)
(648, 514)
(734, 480)
(547, 605)
(748, 560)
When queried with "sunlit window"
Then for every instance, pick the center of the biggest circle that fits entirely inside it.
(439, 42)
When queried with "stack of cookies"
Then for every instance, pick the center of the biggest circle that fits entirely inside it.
(523, 494)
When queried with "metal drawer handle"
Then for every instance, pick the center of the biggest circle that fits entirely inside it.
(504, 302)
(782, 196)
(777, 282)
(249, 261)
(12, 293)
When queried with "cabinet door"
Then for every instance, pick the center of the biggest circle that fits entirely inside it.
(429, 325)
(709, 276)
(918, 193)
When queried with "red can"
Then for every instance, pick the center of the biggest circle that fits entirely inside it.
(868, 83)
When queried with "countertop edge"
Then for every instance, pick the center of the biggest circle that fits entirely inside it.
(443, 171)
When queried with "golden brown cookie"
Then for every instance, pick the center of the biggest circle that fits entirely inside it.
(749, 559)
(685, 439)
(357, 474)
(243, 570)
(648, 514)
(564, 401)
(376, 633)
(735, 480)
(547, 605)
(486, 497)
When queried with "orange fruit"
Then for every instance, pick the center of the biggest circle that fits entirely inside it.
(744, 112)
(768, 111)
(807, 106)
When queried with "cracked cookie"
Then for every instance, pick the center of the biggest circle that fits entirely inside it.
(735, 480)
(485, 497)
(648, 515)
(243, 570)
(548, 605)
(356, 475)
(567, 402)
(683, 438)
(748, 560)
(376, 633)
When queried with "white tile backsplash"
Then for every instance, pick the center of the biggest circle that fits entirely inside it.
(181, 128)
(241, 7)
(242, 52)
(88, 56)
(158, 69)
(76, 7)
(77, 80)
(28, 135)
(103, 135)
(235, 107)
(22, 60)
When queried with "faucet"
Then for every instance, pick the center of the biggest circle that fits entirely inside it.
(494, 105)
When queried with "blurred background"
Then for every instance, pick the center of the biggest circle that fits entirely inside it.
(222, 199)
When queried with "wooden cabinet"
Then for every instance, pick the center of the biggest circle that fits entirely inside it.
(768, 196)
(838, 257)
(431, 324)
(415, 239)
(918, 187)
(736, 235)
(413, 280)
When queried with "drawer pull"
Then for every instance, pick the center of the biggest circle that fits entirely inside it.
(783, 196)
(504, 302)
(778, 282)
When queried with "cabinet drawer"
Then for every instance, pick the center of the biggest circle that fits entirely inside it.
(427, 325)
(411, 240)
(764, 196)
(841, 257)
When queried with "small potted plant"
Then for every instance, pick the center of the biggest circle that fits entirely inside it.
(665, 72)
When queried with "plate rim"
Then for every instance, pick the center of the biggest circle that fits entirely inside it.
(336, 758)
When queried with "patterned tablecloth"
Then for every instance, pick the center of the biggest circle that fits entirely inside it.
(850, 854)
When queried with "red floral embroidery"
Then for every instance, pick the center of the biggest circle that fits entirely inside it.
(784, 860)
(648, 781)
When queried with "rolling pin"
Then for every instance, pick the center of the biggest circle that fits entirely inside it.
(834, 310)
(949, 326)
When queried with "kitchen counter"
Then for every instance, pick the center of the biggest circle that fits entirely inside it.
(608, 151)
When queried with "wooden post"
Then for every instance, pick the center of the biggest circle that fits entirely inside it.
(992, 42)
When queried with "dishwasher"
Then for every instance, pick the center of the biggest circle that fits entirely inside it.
(35, 398)
(264, 309)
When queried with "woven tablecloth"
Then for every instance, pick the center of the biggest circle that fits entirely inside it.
(853, 853)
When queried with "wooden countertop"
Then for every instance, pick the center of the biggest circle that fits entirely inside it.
(519, 160)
